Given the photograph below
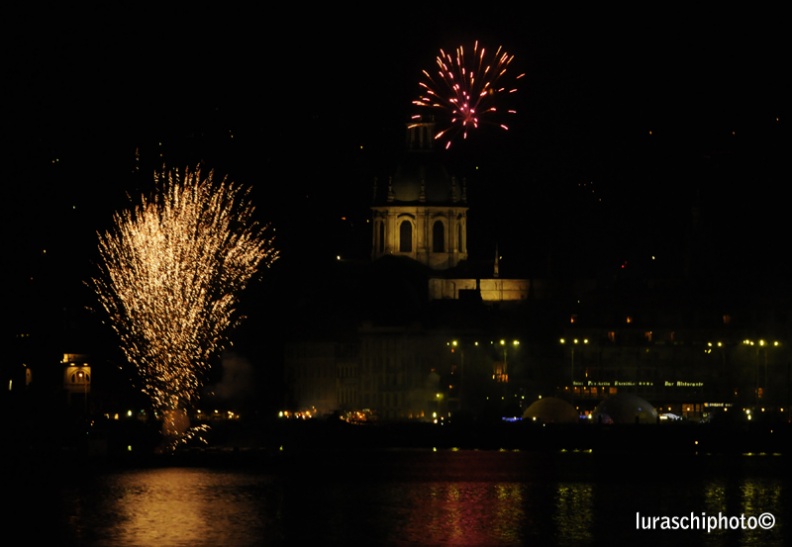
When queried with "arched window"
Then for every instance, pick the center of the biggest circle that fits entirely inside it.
(438, 237)
(80, 377)
(405, 237)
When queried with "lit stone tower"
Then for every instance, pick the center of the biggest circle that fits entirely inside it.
(420, 211)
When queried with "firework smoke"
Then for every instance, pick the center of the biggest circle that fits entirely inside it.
(465, 90)
(171, 270)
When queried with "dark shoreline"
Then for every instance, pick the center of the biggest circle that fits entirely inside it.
(274, 443)
(685, 438)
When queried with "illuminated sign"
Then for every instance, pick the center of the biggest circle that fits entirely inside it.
(683, 383)
(638, 383)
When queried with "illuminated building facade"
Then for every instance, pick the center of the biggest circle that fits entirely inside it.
(77, 376)
(421, 211)
(394, 358)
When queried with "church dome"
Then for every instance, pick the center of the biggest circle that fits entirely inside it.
(419, 211)
(420, 177)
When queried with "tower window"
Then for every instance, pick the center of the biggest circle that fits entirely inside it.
(438, 237)
(405, 237)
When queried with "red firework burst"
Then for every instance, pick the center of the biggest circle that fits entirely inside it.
(465, 90)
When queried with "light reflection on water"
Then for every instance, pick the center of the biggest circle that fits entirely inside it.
(462, 513)
(413, 497)
(172, 506)
(573, 516)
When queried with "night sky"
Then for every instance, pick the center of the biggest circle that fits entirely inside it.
(621, 131)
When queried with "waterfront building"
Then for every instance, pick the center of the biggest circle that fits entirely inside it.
(426, 331)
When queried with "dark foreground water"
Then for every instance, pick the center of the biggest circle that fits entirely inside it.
(401, 497)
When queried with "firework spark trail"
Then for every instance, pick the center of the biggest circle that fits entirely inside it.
(170, 275)
(466, 93)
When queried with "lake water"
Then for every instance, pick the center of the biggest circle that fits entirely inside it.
(403, 497)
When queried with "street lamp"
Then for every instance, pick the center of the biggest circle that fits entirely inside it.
(83, 379)
(761, 346)
(503, 375)
(573, 343)
(723, 379)
(458, 379)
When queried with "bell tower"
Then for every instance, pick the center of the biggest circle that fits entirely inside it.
(420, 210)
